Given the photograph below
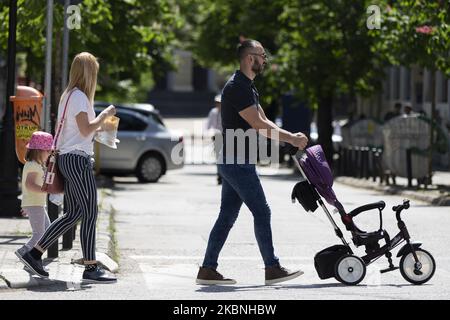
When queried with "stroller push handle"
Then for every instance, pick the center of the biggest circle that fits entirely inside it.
(290, 149)
(376, 205)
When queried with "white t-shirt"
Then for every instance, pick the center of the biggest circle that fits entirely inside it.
(71, 138)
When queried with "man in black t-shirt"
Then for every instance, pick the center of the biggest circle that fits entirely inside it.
(242, 118)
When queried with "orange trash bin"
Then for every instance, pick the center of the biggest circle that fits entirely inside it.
(27, 116)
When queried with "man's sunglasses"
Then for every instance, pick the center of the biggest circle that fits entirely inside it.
(263, 55)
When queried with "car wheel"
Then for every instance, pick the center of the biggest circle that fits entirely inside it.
(150, 168)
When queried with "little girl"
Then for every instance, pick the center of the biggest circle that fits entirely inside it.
(34, 199)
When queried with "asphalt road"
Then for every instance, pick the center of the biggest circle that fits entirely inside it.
(162, 231)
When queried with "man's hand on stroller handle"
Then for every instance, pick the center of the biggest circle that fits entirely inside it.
(299, 140)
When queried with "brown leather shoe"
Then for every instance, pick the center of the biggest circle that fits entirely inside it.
(209, 276)
(278, 274)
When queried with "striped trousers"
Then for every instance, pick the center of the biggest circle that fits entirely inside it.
(80, 192)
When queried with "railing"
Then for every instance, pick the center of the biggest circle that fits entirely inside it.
(366, 163)
(360, 162)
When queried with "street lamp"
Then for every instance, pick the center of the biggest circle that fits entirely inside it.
(9, 188)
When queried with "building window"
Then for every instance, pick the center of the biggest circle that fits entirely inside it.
(386, 88)
(419, 92)
(444, 84)
(407, 84)
(428, 86)
(396, 83)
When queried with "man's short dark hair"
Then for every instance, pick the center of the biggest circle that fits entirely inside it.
(244, 47)
(398, 105)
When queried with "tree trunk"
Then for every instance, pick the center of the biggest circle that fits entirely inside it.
(433, 119)
(324, 126)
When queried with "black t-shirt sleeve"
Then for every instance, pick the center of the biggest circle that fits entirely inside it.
(241, 97)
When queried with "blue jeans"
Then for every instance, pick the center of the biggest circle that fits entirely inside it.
(240, 184)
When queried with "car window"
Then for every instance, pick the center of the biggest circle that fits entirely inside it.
(129, 122)
(154, 118)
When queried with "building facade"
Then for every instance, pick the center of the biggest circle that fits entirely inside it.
(408, 86)
(187, 91)
(412, 86)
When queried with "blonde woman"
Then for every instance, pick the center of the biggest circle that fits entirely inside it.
(75, 162)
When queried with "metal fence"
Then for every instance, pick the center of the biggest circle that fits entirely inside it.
(367, 163)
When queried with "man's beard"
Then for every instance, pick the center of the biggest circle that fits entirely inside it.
(258, 68)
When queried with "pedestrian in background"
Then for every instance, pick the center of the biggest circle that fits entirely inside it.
(407, 110)
(214, 127)
(395, 113)
(75, 162)
(34, 200)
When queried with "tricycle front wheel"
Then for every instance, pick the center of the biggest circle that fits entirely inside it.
(424, 271)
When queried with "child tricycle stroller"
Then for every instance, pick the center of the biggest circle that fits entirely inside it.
(416, 265)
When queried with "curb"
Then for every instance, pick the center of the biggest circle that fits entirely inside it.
(105, 242)
(3, 283)
(434, 197)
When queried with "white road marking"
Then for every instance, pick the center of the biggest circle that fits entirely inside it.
(161, 257)
(165, 257)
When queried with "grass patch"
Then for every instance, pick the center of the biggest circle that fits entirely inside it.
(113, 248)
(104, 207)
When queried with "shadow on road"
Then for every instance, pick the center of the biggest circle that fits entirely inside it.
(48, 285)
(228, 288)
(11, 240)
(220, 289)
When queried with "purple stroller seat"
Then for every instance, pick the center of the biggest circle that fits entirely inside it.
(318, 172)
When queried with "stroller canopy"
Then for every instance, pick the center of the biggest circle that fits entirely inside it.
(318, 172)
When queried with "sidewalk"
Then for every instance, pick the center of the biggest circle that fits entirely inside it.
(437, 194)
(64, 270)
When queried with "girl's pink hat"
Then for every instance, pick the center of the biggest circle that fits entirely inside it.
(40, 140)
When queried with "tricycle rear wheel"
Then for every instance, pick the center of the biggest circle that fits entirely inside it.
(350, 270)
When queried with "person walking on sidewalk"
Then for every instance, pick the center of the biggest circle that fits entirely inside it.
(75, 163)
(240, 183)
(214, 126)
(34, 200)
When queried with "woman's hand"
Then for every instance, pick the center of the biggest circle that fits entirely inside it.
(86, 127)
(109, 111)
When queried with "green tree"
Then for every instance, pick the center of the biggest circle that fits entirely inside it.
(320, 49)
(327, 52)
(213, 29)
(131, 38)
(417, 33)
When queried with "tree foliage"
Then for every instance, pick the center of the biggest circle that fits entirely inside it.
(131, 38)
(416, 33)
(319, 49)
